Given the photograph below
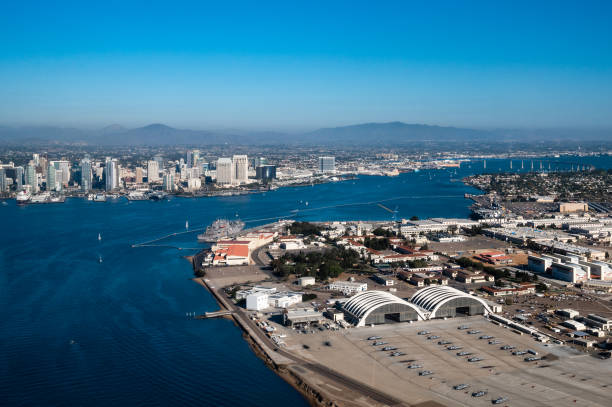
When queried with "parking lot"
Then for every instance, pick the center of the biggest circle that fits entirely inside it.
(561, 376)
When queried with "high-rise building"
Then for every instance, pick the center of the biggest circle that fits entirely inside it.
(160, 161)
(3, 181)
(193, 156)
(18, 179)
(225, 171)
(266, 172)
(36, 159)
(64, 166)
(31, 177)
(153, 171)
(139, 175)
(59, 177)
(259, 161)
(86, 175)
(111, 174)
(51, 177)
(327, 164)
(168, 181)
(240, 164)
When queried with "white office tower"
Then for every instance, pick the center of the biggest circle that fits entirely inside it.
(194, 184)
(59, 180)
(225, 171)
(193, 156)
(241, 169)
(168, 182)
(86, 176)
(111, 174)
(153, 171)
(54, 177)
(64, 166)
(327, 165)
(31, 177)
(36, 158)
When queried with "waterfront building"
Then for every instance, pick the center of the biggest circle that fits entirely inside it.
(64, 167)
(54, 177)
(225, 171)
(194, 184)
(51, 177)
(153, 167)
(240, 164)
(111, 174)
(257, 301)
(31, 177)
(265, 172)
(168, 182)
(18, 178)
(139, 175)
(86, 176)
(327, 165)
(3, 181)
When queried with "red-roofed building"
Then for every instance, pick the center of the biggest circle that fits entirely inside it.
(494, 257)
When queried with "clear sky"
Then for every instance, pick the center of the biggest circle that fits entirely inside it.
(306, 64)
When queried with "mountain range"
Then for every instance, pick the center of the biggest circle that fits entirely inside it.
(392, 133)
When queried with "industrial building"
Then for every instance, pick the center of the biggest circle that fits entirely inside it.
(380, 307)
(305, 281)
(302, 317)
(347, 287)
(445, 301)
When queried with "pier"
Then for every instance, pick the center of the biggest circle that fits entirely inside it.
(215, 314)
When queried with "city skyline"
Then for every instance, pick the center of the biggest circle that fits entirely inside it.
(282, 67)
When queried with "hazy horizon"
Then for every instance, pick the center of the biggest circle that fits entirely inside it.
(294, 68)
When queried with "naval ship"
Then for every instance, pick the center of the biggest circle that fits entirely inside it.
(220, 229)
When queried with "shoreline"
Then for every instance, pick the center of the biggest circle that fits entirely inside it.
(311, 395)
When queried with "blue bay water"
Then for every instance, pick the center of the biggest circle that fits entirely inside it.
(74, 331)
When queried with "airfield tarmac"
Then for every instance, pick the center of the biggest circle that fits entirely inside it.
(564, 377)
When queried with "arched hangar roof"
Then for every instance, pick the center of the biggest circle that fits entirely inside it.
(363, 304)
(433, 297)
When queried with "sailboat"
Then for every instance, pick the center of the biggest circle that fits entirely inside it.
(100, 259)
(99, 237)
(186, 224)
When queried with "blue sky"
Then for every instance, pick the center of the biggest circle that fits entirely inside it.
(301, 65)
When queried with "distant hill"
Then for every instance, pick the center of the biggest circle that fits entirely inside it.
(392, 133)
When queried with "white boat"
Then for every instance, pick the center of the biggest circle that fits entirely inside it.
(100, 259)
(186, 224)
(23, 197)
(99, 236)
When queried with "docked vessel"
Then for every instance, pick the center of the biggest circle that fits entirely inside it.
(157, 196)
(138, 195)
(23, 197)
(99, 198)
(220, 229)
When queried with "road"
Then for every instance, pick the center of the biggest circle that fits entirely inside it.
(333, 376)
